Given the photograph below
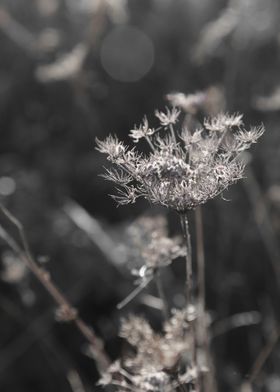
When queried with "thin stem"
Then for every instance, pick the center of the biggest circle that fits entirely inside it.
(16, 32)
(150, 143)
(134, 293)
(207, 380)
(162, 295)
(200, 258)
(173, 134)
(238, 320)
(189, 274)
(66, 311)
(75, 381)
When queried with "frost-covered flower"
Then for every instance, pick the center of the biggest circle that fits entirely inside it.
(184, 168)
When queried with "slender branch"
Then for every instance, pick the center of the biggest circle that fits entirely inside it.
(66, 311)
(189, 277)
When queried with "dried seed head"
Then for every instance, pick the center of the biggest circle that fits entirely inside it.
(151, 244)
(184, 168)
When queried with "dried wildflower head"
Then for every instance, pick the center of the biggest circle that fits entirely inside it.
(160, 362)
(151, 244)
(184, 168)
(149, 249)
(162, 251)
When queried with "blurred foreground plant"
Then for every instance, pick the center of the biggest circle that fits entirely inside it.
(65, 311)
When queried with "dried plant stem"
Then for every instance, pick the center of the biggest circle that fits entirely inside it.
(207, 381)
(66, 310)
(162, 295)
(189, 285)
(150, 143)
(134, 293)
(201, 334)
(200, 258)
(173, 135)
(189, 275)
(75, 381)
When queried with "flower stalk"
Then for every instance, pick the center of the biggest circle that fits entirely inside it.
(189, 269)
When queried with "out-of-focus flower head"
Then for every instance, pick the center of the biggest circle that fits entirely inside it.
(161, 361)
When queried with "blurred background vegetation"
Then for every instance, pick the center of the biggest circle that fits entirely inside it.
(73, 70)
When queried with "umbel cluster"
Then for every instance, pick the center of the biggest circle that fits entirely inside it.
(184, 167)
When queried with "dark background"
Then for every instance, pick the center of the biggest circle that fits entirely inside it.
(74, 70)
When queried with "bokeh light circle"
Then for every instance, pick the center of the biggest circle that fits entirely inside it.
(127, 54)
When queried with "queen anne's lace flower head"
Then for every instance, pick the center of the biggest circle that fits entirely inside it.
(184, 168)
